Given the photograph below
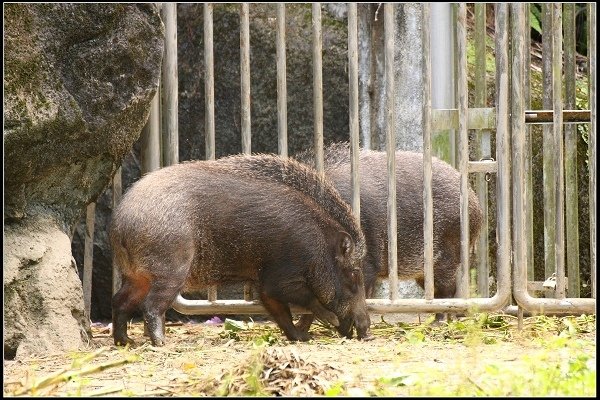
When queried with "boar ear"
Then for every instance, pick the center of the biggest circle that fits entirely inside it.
(345, 245)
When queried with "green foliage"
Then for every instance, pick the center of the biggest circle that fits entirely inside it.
(337, 389)
(562, 367)
(240, 330)
(251, 377)
(535, 17)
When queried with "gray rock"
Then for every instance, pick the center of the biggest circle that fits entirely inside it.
(77, 86)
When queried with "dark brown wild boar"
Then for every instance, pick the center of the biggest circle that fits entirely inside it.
(409, 203)
(257, 218)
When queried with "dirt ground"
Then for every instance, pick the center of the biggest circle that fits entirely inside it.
(201, 359)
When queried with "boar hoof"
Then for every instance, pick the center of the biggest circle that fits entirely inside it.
(367, 338)
(299, 337)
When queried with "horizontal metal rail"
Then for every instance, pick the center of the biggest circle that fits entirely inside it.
(199, 307)
(485, 118)
(547, 116)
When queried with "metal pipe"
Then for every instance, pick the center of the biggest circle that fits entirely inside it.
(503, 265)
(483, 141)
(281, 82)
(462, 279)
(521, 295)
(571, 191)
(528, 162)
(592, 144)
(517, 119)
(353, 111)
(549, 174)
(117, 192)
(245, 97)
(392, 230)
(169, 86)
(559, 189)
(427, 163)
(209, 100)
(209, 83)
(318, 86)
(245, 77)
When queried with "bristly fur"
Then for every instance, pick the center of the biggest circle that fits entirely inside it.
(304, 179)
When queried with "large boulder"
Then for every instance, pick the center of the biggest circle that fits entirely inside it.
(263, 70)
(78, 81)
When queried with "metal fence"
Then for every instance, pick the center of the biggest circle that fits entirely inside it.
(510, 121)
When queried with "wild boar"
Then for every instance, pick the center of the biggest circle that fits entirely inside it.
(259, 218)
(409, 203)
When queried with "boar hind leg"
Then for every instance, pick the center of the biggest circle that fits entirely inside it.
(161, 295)
(319, 312)
(283, 317)
(133, 291)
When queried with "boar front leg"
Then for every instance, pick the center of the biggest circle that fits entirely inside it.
(283, 317)
(304, 322)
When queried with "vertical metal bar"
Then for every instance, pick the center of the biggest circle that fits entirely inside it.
(502, 143)
(353, 111)
(169, 86)
(480, 101)
(528, 160)
(117, 192)
(571, 192)
(592, 142)
(150, 141)
(463, 150)
(317, 86)
(517, 119)
(209, 100)
(549, 180)
(388, 12)
(209, 82)
(365, 72)
(88, 258)
(281, 82)
(245, 95)
(427, 169)
(558, 148)
(245, 77)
